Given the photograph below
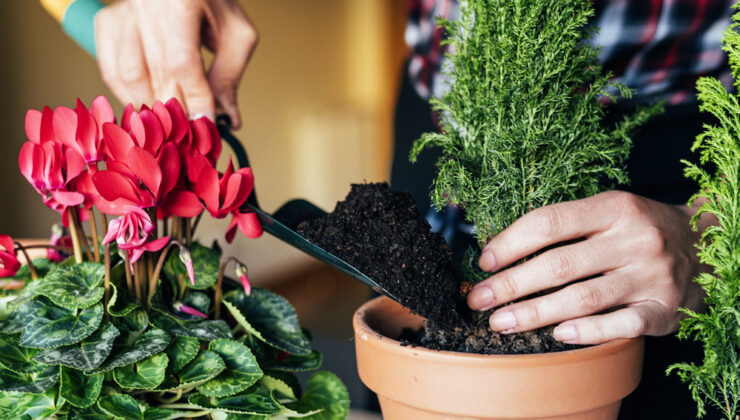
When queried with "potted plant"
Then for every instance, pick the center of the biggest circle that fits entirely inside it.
(141, 322)
(716, 382)
(521, 128)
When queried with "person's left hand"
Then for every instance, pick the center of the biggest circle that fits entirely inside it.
(637, 257)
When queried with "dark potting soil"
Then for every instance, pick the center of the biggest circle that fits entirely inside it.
(380, 232)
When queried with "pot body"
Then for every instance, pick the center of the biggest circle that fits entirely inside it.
(417, 383)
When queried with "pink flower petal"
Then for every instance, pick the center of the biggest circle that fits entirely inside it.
(180, 125)
(117, 141)
(75, 164)
(68, 198)
(249, 224)
(157, 244)
(180, 307)
(30, 161)
(164, 117)
(144, 165)
(65, 126)
(87, 133)
(169, 163)
(183, 203)
(207, 189)
(6, 241)
(33, 125)
(112, 185)
(154, 131)
(102, 112)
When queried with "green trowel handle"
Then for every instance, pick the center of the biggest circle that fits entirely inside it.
(77, 18)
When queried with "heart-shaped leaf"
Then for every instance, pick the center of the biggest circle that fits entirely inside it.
(49, 326)
(145, 345)
(74, 287)
(206, 329)
(15, 405)
(325, 392)
(16, 357)
(241, 372)
(256, 401)
(79, 389)
(198, 300)
(149, 373)
(203, 368)
(87, 355)
(120, 307)
(270, 318)
(273, 359)
(181, 351)
(42, 266)
(205, 266)
(36, 383)
(125, 407)
(92, 412)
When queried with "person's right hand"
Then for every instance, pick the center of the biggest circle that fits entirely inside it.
(151, 50)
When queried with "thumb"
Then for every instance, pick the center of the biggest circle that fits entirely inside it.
(236, 43)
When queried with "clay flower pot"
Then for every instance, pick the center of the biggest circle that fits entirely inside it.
(417, 383)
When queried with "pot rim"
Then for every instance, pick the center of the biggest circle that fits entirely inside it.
(382, 303)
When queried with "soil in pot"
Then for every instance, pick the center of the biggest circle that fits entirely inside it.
(381, 233)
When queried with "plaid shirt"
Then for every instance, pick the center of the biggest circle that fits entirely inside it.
(656, 47)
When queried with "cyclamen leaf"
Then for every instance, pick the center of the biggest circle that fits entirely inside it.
(122, 406)
(120, 307)
(50, 326)
(256, 401)
(205, 266)
(15, 405)
(35, 383)
(149, 373)
(325, 392)
(199, 301)
(42, 266)
(280, 387)
(87, 355)
(147, 344)
(79, 389)
(272, 358)
(181, 351)
(74, 287)
(270, 318)
(241, 372)
(206, 329)
(16, 357)
(92, 412)
(203, 368)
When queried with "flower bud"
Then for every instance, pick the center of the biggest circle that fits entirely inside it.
(187, 258)
(241, 271)
(181, 307)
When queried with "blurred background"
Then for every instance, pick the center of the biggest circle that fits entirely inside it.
(317, 103)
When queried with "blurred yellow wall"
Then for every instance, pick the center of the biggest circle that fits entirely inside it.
(317, 102)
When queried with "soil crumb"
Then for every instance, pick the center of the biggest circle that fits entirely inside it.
(380, 232)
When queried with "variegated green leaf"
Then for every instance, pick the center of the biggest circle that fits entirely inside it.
(241, 372)
(74, 287)
(15, 405)
(92, 412)
(271, 358)
(149, 373)
(125, 407)
(256, 400)
(35, 383)
(281, 388)
(203, 368)
(136, 320)
(79, 389)
(198, 300)
(16, 357)
(86, 355)
(49, 326)
(289, 378)
(42, 266)
(270, 318)
(205, 265)
(147, 344)
(325, 392)
(206, 329)
(181, 351)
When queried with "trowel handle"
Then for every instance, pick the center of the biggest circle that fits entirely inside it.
(77, 18)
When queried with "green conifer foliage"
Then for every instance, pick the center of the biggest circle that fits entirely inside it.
(717, 380)
(521, 124)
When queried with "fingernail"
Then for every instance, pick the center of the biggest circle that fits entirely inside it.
(487, 260)
(502, 321)
(480, 297)
(565, 333)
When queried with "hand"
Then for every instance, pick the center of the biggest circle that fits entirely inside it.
(637, 257)
(151, 49)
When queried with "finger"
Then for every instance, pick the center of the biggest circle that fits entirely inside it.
(132, 69)
(549, 225)
(234, 47)
(575, 301)
(553, 268)
(106, 42)
(632, 321)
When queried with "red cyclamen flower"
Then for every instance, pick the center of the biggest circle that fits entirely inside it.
(132, 231)
(9, 263)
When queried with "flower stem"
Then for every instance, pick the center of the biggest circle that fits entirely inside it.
(74, 235)
(219, 284)
(31, 268)
(154, 279)
(139, 279)
(127, 269)
(81, 233)
(94, 231)
(105, 223)
(106, 284)
(195, 223)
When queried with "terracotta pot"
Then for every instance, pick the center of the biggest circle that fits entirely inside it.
(417, 383)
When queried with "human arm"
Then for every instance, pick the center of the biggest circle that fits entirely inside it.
(637, 256)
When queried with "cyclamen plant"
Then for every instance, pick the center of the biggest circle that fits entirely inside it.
(130, 326)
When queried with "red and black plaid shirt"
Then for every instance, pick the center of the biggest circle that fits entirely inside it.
(656, 47)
